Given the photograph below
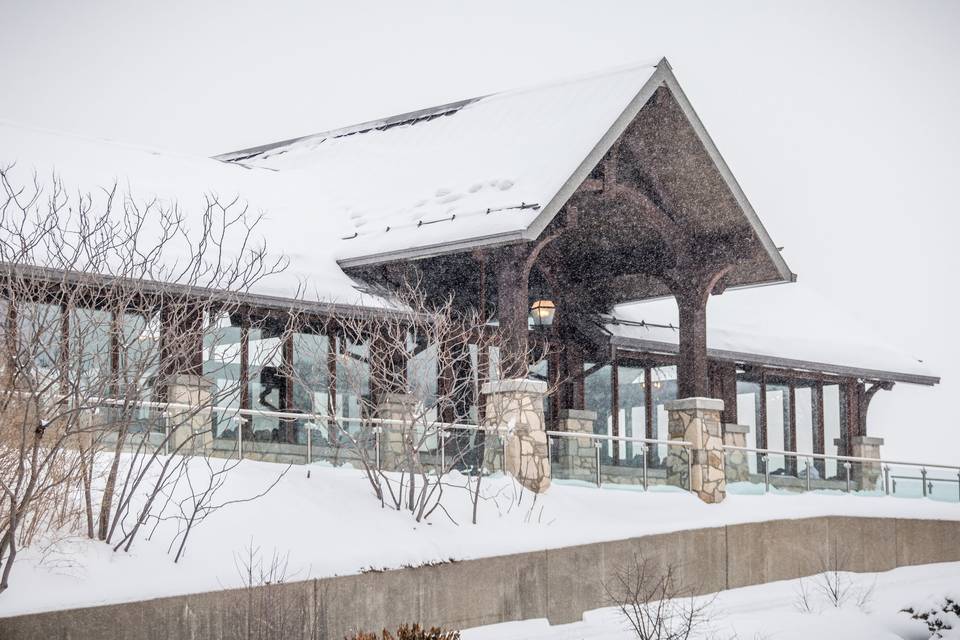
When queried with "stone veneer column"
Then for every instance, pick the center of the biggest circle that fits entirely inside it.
(394, 406)
(737, 466)
(866, 474)
(192, 427)
(697, 420)
(578, 456)
(517, 406)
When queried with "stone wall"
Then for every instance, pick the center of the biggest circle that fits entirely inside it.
(697, 421)
(737, 465)
(558, 584)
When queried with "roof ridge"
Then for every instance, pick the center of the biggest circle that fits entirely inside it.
(428, 113)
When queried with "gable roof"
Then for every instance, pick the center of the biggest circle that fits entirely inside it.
(485, 171)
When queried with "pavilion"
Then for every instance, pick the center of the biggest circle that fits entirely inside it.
(603, 196)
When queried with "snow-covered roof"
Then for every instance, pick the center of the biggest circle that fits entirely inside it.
(789, 326)
(292, 226)
(472, 172)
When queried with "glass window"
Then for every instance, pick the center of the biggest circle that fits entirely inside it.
(267, 382)
(353, 381)
(596, 392)
(38, 329)
(90, 346)
(221, 365)
(831, 425)
(748, 407)
(778, 416)
(663, 383)
(311, 376)
(139, 353)
(804, 404)
(633, 407)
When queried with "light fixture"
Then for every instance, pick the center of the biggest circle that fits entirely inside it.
(542, 312)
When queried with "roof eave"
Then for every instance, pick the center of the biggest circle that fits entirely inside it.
(657, 346)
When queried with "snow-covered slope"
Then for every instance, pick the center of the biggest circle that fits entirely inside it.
(330, 524)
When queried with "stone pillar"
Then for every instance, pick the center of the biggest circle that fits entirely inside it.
(697, 420)
(737, 464)
(192, 428)
(578, 456)
(517, 406)
(866, 475)
(395, 406)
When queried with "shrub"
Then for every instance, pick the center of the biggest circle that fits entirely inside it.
(939, 618)
(408, 632)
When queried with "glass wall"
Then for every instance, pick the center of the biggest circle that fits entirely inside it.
(748, 409)
(831, 426)
(221, 365)
(632, 393)
(663, 383)
(596, 396)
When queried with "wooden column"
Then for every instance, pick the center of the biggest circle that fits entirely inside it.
(512, 310)
(692, 361)
(791, 435)
(762, 422)
(819, 438)
(691, 287)
(615, 405)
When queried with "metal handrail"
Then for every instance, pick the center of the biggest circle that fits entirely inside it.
(603, 436)
(824, 456)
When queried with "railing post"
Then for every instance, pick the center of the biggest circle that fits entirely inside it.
(166, 431)
(958, 485)
(240, 436)
(766, 473)
(689, 468)
(597, 445)
(443, 450)
(846, 469)
(806, 464)
(923, 474)
(643, 454)
(376, 446)
(310, 442)
(886, 480)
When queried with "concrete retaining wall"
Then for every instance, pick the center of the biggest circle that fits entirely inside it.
(558, 584)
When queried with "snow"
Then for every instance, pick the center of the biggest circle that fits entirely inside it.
(295, 222)
(330, 524)
(785, 321)
(485, 169)
(771, 611)
(461, 175)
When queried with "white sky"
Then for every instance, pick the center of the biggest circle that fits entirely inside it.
(840, 119)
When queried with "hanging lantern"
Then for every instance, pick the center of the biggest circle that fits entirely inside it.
(542, 312)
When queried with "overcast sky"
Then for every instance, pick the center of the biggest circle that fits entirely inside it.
(840, 119)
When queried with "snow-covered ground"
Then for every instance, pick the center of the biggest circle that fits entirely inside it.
(773, 611)
(329, 524)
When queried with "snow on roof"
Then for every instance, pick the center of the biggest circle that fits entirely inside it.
(786, 325)
(293, 224)
(481, 168)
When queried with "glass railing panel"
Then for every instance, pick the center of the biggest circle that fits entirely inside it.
(573, 459)
(741, 473)
(943, 484)
(342, 444)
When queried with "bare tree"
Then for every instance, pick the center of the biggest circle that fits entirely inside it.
(834, 586)
(655, 603)
(415, 372)
(105, 301)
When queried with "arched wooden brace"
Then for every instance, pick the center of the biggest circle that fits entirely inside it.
(692, 291)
